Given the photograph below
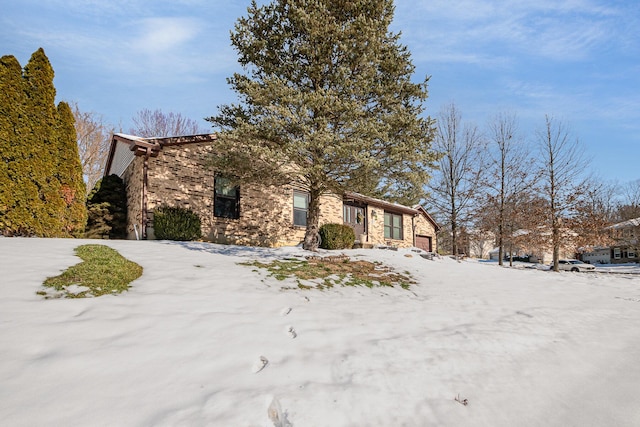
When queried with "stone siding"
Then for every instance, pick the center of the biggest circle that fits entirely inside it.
(375, 226)
(132, 178)
(179, 176)
(424, 227)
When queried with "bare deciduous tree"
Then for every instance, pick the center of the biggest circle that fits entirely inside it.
(149, 124)
(94, 137)
(562, 166)
(594, 213)
(455, 185)
(510, 170)
(629, 206)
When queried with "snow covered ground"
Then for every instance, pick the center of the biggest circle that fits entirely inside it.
(183, 347)
(618, 268)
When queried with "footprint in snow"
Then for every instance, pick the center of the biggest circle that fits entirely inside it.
(277, 416)
(285, 311)
(259, 364)
(291, 332)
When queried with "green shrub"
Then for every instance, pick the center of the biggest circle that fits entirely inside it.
(171, 223)
(107, 208)
(337, 236)
(99, 221)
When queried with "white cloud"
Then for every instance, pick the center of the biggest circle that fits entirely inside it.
(163, 35)
(564, 31)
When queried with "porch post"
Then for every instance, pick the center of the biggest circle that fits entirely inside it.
(145, 179)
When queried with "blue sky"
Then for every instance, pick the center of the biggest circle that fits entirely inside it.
(578, 60)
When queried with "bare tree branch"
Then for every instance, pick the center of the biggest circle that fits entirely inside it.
(94, 137)
(562, 166)
(149, 124)
(455, 186)
(510, 172)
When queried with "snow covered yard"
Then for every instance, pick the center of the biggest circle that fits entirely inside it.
(183, 347)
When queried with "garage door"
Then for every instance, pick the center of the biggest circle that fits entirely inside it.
(424, 242)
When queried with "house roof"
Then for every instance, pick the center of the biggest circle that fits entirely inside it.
(635, 222)
(151, 146)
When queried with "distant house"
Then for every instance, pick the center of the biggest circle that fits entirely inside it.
(597, 255)
(626, 236)
(173, 172)
(625, 248)
(480, 243)
(535, 245)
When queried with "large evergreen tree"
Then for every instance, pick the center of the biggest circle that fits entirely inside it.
(327, 101)
(11, 145)
(69, 173)
(39, 155)
(41, 146)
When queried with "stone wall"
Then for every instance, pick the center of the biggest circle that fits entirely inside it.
(132, 178)
(424, 227)
(179, 176)
(375, 235)
(375, 226)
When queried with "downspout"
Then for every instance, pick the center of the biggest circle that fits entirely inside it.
(145, 180)
(413, 228)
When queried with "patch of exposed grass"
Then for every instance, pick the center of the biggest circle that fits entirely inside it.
(103, 271)
(319, 274)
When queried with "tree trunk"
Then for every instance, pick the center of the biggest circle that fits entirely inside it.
(454, 230)
(500, 245)
(501, 218)
(556, 245)
(312, 237)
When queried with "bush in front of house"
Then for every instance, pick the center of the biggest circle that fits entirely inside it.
(337, 236)
(175, 223)
(107, 208)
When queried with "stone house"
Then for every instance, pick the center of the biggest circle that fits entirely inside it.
(173, 172)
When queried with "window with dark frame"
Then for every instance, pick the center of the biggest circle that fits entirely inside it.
(392, 226)
(226, 198)
(300, 208)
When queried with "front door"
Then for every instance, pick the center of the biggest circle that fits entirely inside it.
(355, 217)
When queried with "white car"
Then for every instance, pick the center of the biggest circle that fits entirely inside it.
(574, 265)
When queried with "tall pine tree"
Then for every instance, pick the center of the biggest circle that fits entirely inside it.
(327, 100)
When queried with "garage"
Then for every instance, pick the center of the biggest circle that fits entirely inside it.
(424, 243)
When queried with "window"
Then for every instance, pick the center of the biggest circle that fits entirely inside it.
(631, 253)
(392, 226)
(346, 212)
(226, 198)
(300, 208)
(617, 254)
